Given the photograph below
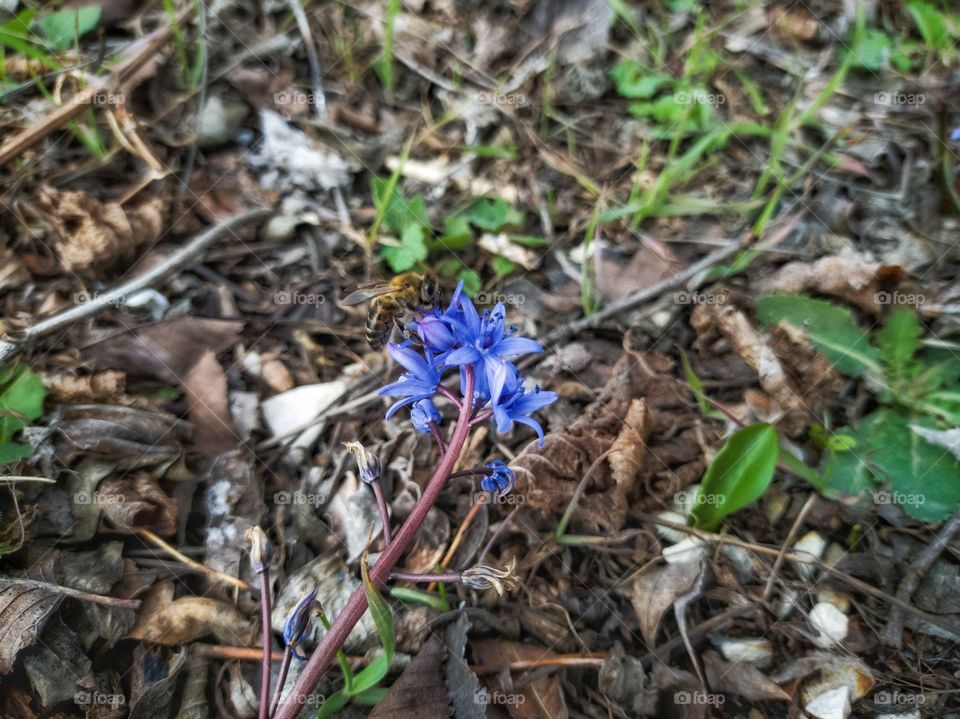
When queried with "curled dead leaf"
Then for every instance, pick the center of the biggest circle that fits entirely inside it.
(185, 620)
(137, 501)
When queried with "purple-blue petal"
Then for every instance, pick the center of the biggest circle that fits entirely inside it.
(462, 356)
(515, 346)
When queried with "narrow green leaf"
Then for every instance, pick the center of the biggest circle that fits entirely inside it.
(696, 386)
(332, 704)
(831, 328)
(380, 611)
(371, 675)
(738, 475)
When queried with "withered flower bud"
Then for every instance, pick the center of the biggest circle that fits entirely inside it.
(367, 461)
(261, 551)
(483, 576)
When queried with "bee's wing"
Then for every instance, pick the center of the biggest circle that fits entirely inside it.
(367, 292)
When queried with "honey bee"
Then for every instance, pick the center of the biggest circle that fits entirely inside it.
(389, 302)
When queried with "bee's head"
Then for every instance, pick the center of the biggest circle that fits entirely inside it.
(429, 293)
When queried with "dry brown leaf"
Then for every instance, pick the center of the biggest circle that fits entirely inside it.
(740, 678)
(847, 278)
(790, 370)
(275, 374)
(542, 698)
(94, 236)
(166, 351)
(137, 501)
(24, 610)
(206, 388)
(186, 620)
(617, 278)
(647, 437)
(655, 592)
(420, 690)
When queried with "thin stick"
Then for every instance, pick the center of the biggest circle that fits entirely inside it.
(303, 24)
(893, 632)
(266, 654)
(247, 654)
(455, 544)
(356, 605)
(791, 535)
(23, 478)
(645, 295)
(496, 534)
(594, 659)
(175, 262)
(422, 578)
(180, 556)
(73, 593)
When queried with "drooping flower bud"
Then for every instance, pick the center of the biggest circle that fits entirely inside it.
(261, 551)
(483, 576)
(297, 626)
(367, 462)
(435, 333)
(500, 479)
(423, 414)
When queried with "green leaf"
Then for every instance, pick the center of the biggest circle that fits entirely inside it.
(924, 478)
(502, 266)
(21, 399)
(505, 152)
(843, 469)
(13, 452)
(398, 211)
(414, 596)
(412, 249)
(471, 282)
(380, 611)
(738, 475)
(371, 675)
(829, 327)
(696, 386)
(492, 215)
(332, 704)
(931, 23)
(457, 234)
(63, 28)
(634, 81)
(798, 467)
(530, 240)
(873, 50)
(899, 339)
(371, 696)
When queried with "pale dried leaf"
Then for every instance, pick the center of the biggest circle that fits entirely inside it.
(655, 592)
(190, 618)
(23, 612)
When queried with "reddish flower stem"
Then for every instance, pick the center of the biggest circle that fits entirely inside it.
(384, 512)
(326, 651)
(267, 653)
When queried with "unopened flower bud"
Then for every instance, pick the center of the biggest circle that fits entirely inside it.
(367, 462)
(423, 414)
(296, 628)
(261, 551)
(499, 480)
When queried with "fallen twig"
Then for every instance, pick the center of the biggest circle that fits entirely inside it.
(893, 633)
(75, 593)
(176, 261)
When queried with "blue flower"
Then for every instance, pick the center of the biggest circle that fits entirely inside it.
(419, 382)
(512, 403)
(423, 414)
(955, 134)
(500, 480)
(298, 623)
(484, 341)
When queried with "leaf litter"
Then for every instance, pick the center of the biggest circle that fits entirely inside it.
(560, 159)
